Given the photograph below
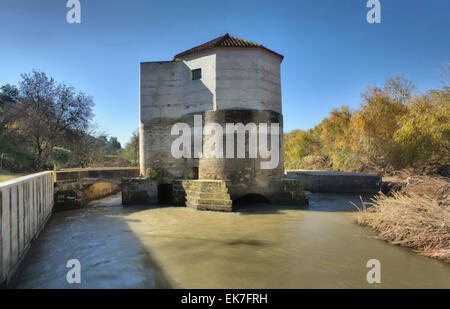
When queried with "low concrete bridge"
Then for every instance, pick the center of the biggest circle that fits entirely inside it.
(75, 187)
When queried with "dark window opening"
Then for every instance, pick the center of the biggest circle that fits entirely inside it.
(195, 173)
(165, 194)
(196, 74)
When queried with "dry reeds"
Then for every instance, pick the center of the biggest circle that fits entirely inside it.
(417, 216)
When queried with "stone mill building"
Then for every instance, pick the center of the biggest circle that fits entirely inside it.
(225, 80)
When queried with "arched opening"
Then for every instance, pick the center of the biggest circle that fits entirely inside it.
(164, 193)
(99, 190)
(251, 199)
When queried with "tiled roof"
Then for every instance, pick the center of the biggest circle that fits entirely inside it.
(223, 41)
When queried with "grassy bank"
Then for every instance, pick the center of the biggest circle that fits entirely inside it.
(417, 216)
(7, 175)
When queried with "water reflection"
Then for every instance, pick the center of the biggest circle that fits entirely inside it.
(260, 246)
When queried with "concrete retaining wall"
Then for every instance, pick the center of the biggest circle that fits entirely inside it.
(139, 191)
(25, 205)
(328, 181)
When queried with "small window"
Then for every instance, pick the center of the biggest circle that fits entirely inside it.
(196, 74)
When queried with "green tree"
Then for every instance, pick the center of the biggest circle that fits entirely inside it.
(113, 146)
(131, 150)
(8, 95)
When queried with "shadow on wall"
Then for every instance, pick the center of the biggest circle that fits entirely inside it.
(165, 194)
(250, 199)
(258, 204)
(318, 202)
(197, 96)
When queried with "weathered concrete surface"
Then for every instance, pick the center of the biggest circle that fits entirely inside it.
(209, 194)
(25, 206)
(328, 181)
(93, 175)
(239, 86)
(244, 174)
(248, 78)
(139, 191)
(232, 79)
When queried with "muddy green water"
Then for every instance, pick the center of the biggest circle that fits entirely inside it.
(260, 246)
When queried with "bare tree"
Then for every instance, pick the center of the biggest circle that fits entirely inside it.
(87, 147)
(44, 111)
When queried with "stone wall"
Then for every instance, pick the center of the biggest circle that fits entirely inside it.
(245, 175)
(207, 195)
(25, 206)
(156, 148)
(139, 191)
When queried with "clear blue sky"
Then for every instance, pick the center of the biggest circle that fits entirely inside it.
(331, 53)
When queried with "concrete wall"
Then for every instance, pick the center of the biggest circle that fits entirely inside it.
(336, 182)
(200, 91)
(232, 78)
(92, 175)
(248, 78)
(167, 90)
(167, 93)
(25, 205)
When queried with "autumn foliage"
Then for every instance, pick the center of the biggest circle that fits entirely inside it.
(394, 128)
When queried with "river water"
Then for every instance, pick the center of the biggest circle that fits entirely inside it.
(258, 246)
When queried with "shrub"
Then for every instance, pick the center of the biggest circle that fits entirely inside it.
(392, 129)
(417, 217)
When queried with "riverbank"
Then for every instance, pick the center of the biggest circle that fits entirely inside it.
(417, 216)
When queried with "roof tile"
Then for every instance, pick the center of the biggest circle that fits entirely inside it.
(223, 41)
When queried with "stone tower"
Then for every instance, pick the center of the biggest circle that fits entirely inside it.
(227, 80)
